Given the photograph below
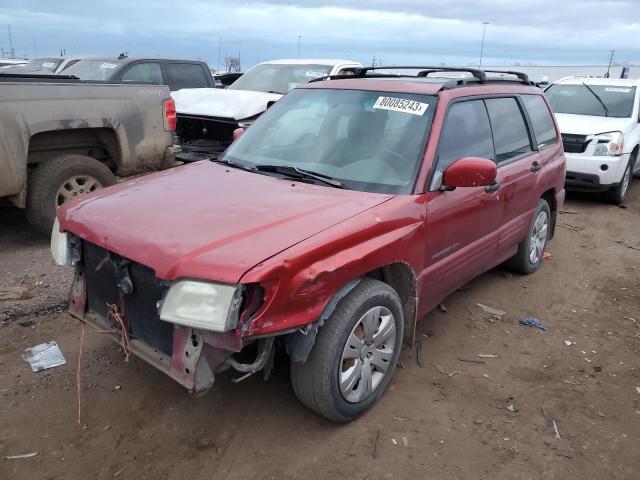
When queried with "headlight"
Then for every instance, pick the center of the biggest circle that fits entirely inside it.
(208, 306)
(611, 143)
(60, 249)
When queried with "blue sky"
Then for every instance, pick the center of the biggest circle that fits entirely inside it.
(569, 32)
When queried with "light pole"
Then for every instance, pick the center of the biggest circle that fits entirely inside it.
(484, 31)
(299, 37)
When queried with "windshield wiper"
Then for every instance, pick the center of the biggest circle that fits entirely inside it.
(273, 91)
(296, 172)
(606, 110)
(229, 163)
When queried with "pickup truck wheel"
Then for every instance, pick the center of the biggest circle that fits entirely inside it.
(54, 182)
(531, 249)
(618, 194)
(354, 355)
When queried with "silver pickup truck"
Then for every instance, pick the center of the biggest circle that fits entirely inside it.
(62, 138)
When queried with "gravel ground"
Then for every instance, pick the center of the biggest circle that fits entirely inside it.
(450, 419)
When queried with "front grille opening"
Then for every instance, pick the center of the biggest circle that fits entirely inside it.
(140, 307)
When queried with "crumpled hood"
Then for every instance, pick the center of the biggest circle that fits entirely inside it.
(208, 221)
(591, 125)
(219, 102)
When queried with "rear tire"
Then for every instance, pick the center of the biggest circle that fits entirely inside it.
(618, 194)
(323, 383)
(531, 249)
(58, 180)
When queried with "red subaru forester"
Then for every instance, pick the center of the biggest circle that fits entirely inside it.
(350, 209)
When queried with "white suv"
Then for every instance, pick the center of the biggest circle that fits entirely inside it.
(599, 121)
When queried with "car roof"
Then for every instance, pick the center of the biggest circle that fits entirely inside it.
(307, 61)
(620, 82)
(107, 58)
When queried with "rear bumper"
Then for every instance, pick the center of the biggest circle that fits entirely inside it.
(170, 155)
(587, 173)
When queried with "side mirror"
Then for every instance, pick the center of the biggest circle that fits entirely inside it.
(237, 133)
(470, 172)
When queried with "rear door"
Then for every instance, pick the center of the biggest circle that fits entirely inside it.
(460, 223)
(519, 162)
(187, 75)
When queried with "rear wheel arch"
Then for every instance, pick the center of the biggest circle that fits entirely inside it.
(100, 144)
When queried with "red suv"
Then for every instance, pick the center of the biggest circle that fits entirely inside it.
(350, 209)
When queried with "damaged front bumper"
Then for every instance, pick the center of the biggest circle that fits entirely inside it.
(190, 356)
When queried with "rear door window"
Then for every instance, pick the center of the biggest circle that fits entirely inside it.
(466, 133)
(186, 75)
(146, 72)
(541, 120)
(510, 134)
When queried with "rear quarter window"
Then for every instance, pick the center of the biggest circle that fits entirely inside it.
(540, 116)
(186, 75)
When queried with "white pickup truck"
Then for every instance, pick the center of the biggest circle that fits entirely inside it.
(599, 119)
(207, 117)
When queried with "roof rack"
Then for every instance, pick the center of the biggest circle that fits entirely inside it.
(477, 75)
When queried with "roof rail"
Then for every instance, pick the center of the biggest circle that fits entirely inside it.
(477, 75)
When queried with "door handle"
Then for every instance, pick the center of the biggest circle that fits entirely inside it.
(535, 166)
(492, 187)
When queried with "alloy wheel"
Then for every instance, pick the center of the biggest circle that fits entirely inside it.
(538, 237)
(366, 357)
(76, 185)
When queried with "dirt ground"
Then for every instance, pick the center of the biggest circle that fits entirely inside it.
(450, 419)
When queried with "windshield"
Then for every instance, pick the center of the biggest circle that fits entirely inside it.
(101, 70)
(595, 100)
(48, 64)
(367, 141)
(279, 78)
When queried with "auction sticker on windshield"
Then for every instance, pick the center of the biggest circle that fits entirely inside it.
(400, 105)
(108, 65)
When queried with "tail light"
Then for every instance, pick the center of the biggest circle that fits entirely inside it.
(170, 119)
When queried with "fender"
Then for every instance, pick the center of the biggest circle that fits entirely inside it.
(300, 343)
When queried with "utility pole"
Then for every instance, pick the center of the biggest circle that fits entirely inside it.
(610, 61)
(484, 31)
(219, 52)
(299, 37)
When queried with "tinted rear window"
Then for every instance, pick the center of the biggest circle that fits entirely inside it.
(541, 119)
(186, 75)
(510, 134)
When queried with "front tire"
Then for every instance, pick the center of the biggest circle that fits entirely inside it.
(58, 180)
(355, 354)
(618, 194)
(531, 249)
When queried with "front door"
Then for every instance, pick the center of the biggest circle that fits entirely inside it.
(460, 223)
